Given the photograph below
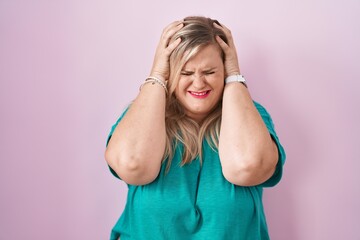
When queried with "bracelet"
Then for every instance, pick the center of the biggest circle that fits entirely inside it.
(154, 80)
(236, 78)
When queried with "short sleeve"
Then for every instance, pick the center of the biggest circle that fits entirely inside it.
(276, 177)
(110, 134)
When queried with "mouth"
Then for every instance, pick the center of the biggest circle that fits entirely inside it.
(202, 94)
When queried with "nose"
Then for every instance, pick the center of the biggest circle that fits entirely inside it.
(199, 81)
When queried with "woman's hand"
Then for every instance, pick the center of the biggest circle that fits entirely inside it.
(231, 61)
(136, 148)
(161, 67)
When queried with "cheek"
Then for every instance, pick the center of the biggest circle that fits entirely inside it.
(219, 89)
(179, 91)
(217, 82)
(182, 86)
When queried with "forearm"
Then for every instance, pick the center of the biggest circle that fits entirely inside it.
(247, 153)
(137, 145)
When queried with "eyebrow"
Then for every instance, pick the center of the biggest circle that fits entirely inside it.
(206, 70)
(210, 69)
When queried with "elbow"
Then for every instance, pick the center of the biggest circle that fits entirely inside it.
(131, 169)
(249, 172)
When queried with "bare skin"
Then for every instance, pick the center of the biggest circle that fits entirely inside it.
(247, 152)
(201, 83)
(137, 145)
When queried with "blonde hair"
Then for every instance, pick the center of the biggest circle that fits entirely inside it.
(197, 33)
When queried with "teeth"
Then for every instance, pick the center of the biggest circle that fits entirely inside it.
(199, 93)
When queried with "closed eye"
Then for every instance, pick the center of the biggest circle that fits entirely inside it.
(209, 73)
(186, 73)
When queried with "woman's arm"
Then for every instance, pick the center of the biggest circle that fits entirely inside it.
(137, 145)
(247, 152)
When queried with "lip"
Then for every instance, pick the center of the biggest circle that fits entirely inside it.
(202, 94)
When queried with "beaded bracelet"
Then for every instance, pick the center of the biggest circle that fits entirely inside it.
(154, 80)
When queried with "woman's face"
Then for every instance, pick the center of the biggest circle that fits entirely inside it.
(201, 83)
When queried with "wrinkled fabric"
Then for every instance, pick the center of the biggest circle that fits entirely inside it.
(196, 202)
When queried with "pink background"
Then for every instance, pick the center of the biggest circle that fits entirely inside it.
(68, 68)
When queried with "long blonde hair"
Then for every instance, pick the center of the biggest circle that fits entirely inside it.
(197, 33)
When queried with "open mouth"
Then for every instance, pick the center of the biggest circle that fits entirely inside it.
(202, 94)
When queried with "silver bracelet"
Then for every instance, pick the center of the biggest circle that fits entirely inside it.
(154, 80)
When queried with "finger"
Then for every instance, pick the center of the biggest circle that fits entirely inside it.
(227, 33)
(173, 45)
(222, 44)
(173, 24)
(169, 32)
(221, 26)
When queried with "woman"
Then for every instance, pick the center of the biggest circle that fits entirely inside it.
(195, 150)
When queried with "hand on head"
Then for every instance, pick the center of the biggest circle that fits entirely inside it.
(231, 60)
(161, 67)
(167, 44)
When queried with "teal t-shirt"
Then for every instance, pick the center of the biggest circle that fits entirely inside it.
(196, 202)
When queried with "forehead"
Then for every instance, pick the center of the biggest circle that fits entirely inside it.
(208, 56)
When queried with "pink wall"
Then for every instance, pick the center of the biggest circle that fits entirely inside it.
(68, 68)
